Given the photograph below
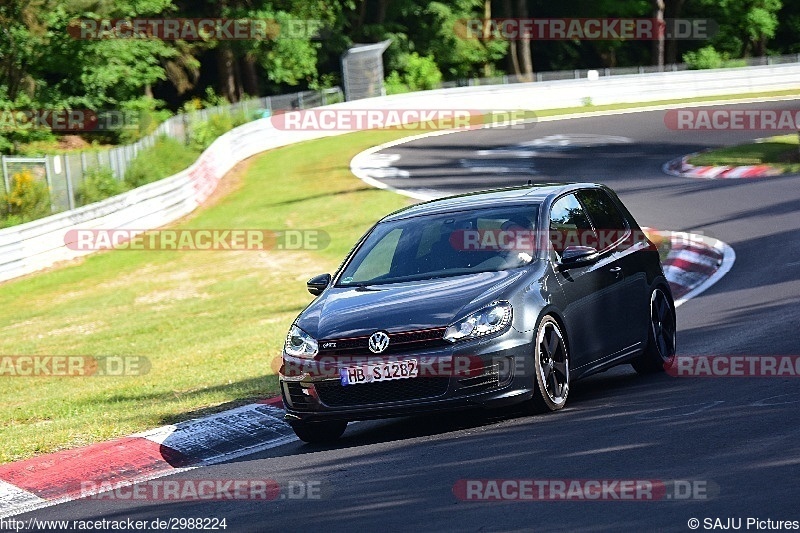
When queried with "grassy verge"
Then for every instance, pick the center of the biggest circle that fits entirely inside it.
(657, 103)
(210, 323)
(780, 152)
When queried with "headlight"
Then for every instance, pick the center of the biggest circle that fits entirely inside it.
(300, 344)
(491, 319)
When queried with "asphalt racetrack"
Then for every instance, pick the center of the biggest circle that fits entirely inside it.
(735, 442)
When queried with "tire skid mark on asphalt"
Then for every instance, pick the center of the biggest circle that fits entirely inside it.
(686, 281)
(765, 402)
(209, 440)
(679, 411)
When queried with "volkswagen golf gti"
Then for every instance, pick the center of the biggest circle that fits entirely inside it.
(478, 300)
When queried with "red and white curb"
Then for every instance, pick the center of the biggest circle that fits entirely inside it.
(694, 262)
(681, 168)
(60, 477)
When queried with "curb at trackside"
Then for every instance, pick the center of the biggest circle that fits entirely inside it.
(365, 163)
(681, 168)
(59, 477)
(694, 263)
(56, 478)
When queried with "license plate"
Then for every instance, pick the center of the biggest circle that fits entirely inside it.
(376, 372)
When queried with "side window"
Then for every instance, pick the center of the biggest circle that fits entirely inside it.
(569, 225)
(608, 221)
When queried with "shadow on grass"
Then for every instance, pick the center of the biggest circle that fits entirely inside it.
(267, 386)
(321, 196)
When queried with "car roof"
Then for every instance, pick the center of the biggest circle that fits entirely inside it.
(529, 194)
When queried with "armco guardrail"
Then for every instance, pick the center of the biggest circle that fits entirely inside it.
(39, 244)
(65, 174)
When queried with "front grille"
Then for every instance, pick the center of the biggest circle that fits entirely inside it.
(293, 392)
(334, 394)
(399, 342)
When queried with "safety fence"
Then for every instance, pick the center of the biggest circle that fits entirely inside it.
(38, 244)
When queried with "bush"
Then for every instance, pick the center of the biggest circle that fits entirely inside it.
(422, 73)
(202, 134)
(394, 84)
(708, 57)
(148, 122)
(27, 200)
(165, 158)
(98, 184)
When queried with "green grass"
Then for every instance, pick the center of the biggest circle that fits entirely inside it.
(210, 323)
(779, 152)
(657, 103)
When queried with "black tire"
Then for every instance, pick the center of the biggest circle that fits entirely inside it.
(319, 432)
(551, 368)
(661, 337)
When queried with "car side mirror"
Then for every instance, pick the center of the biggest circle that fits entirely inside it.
(317, 284)
(574, 256)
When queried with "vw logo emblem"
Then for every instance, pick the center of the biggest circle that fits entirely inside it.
(378, 342)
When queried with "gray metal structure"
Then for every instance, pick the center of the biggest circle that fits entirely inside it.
(362, 70)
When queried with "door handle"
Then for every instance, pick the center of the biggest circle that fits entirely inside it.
(617, 271)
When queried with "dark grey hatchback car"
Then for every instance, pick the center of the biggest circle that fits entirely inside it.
(484, 299)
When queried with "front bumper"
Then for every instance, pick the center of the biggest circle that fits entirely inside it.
(485, 372)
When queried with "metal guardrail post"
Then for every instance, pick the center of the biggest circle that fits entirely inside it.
(5, 173)
(70, 187)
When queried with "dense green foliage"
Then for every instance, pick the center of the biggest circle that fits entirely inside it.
(165, 158)
(44, 66)
(98, 184)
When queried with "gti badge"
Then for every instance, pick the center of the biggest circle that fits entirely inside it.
(378, 342)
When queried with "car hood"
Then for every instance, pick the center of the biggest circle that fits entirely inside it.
(355, 311)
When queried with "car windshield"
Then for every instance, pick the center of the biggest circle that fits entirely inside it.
(450, 244)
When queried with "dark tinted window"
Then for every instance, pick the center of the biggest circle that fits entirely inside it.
(609, 222)
(569, 225)
(602, 210)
